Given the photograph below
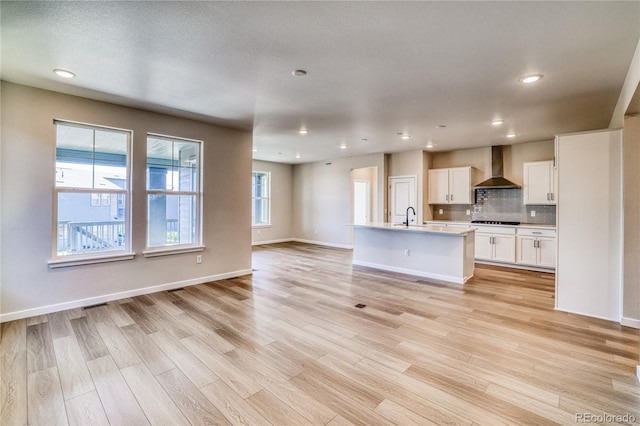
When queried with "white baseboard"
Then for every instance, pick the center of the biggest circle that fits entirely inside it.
(587, 315)
(11, 316)
(638, 372)
(323, 243)
(300, 240)
(423, 274)
(516, 266)
(281, 240)
(630, 322)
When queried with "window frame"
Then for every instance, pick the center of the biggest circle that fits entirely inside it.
(59, 261)
(169, 249)
(268, 199)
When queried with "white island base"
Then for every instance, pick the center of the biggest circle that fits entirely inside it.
(437, 252)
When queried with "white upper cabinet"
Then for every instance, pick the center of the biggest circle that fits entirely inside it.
(450, 186)
(540, 183)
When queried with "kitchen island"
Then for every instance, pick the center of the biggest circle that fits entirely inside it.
(437, 252)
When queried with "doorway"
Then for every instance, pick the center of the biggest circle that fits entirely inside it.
(361, 202)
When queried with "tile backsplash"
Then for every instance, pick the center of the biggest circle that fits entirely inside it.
(496, 204)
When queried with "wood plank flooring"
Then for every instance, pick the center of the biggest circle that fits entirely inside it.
(287, 346)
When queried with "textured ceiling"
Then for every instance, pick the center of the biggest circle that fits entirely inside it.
(374, 68)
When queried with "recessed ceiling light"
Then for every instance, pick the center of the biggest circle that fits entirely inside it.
(511, 135)
(405, 137)
(440, 126)
(255, 149)
(532, 78)
(64, 73)
(297, 155)
(343, 146)
(497, 122)
(303, 131)
(364, 139)
(299, 73)
(429, 145)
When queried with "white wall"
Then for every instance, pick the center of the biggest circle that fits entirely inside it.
(322, 198)
(281, 228)
(588, 277)
(29, 286)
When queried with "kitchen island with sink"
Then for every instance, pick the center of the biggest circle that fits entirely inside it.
(437, 252)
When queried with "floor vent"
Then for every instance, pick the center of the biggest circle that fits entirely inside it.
(360, 306)
(175, 289)
(94, 306)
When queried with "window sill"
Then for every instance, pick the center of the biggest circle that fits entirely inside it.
(77, 261)
(261, 226)
(169, 251)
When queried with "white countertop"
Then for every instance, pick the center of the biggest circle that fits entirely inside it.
(432, 229)
(462, 224)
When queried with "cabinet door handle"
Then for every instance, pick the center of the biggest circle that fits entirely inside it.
(548, 199)
(446, 197)
(536, 244)
(451, 197)
(553, 196)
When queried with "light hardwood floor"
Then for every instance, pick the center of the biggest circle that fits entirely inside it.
(286, 346)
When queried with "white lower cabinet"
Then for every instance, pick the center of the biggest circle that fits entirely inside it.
(536, 247)
(496, 244)
(517, 245)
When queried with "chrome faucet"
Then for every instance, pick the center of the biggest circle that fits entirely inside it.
(414, 213)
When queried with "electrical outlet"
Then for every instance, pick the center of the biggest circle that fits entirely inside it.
(468, 212)
(533, 213)
(315, 231)
(258, 232)
(407, 252)
(199, 258)
(440, 211)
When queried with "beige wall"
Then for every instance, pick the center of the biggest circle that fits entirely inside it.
(28, 285)
(631, 167)
(281, 228)
(480, 159)
(322, 198)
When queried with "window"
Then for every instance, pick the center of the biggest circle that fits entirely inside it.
(91, 192)
(261, 198)
(173, 193)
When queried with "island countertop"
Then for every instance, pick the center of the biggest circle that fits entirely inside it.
(432, 229)
(444, 253)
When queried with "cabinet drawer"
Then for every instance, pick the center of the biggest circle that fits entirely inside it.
(494, 229)
(534, 232)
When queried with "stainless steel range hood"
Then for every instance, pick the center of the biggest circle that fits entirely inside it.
(497, 180)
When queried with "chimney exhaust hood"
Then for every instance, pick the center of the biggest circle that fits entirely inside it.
(497, 181)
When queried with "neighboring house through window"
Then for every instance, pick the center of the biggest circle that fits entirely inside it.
(261, 198)
(91, 194)
(173, 193)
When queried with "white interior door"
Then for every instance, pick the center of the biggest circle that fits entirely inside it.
(361, 202)
(402, 195)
